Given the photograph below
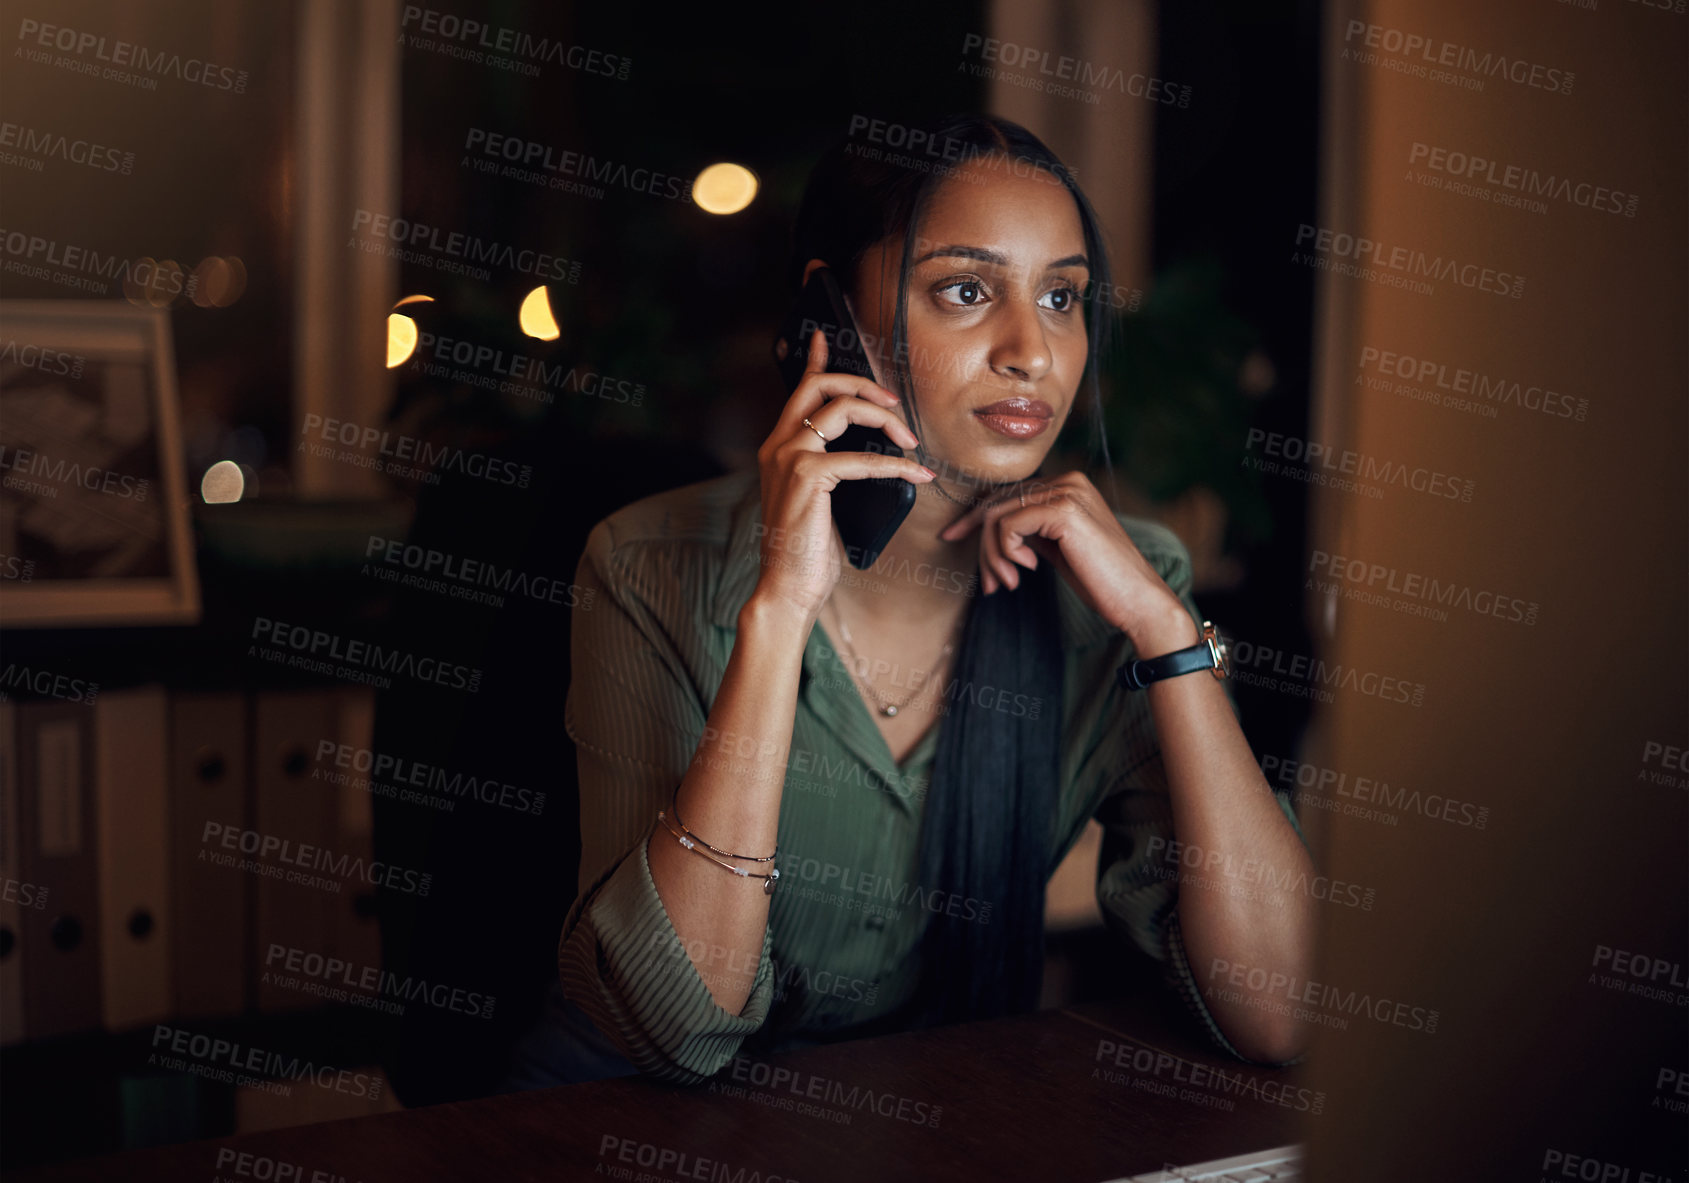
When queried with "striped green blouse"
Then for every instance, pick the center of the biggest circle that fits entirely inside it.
(665, 578)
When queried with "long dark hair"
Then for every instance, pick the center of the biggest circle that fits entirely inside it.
(987, 825)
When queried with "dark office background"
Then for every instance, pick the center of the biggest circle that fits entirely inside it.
(682, 303)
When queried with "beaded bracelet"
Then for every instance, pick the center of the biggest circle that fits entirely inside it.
(768, 879)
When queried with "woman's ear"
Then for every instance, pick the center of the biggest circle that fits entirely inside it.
(809, 269)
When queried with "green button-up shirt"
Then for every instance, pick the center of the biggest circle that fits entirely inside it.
(665, 579)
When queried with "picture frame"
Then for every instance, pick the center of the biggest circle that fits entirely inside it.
(95, 528)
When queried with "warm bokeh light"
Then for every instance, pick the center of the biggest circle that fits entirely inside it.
(724, 188)
(142, 281)
(210, 277)
(155, 283)
(401, 338)
(222, 483)
(401, 331)
(536, 317)
(1257, 375)
(169, 284)
(218, 281)
(237, 281)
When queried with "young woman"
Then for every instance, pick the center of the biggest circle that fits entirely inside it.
(913, 750)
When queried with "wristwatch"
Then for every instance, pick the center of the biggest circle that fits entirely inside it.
(1207, 654)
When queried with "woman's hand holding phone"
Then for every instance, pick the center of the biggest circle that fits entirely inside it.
(801, 552)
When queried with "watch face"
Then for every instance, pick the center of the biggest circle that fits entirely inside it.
(1220, 647)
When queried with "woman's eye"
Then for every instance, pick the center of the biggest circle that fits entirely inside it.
(1063, 297)
(965, 293)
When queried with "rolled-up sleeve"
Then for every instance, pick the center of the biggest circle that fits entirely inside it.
(1137, 870)
(636, 717)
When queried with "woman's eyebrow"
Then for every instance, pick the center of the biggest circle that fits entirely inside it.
(997, 258)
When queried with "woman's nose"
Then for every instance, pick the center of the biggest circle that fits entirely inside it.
(1020, 351)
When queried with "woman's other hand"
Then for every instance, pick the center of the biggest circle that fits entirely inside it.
(1067, 522)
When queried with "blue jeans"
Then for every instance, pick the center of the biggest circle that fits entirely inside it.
(563, 1047)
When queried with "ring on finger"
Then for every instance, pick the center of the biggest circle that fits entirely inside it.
(815, 429)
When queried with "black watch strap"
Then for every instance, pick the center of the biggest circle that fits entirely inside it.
(1208, 654)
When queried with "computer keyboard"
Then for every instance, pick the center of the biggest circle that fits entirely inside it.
(1282, 1164)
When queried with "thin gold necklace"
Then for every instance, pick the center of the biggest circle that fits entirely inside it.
(888, 709)
(952, 500)
(984, 495)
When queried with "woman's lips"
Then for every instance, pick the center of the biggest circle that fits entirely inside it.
(1017, 418)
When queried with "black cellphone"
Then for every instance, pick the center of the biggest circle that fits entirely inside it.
(867, 512)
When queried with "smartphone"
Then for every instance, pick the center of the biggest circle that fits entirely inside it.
(867, 512)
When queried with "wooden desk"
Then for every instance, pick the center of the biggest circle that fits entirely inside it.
(1077, 1093)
